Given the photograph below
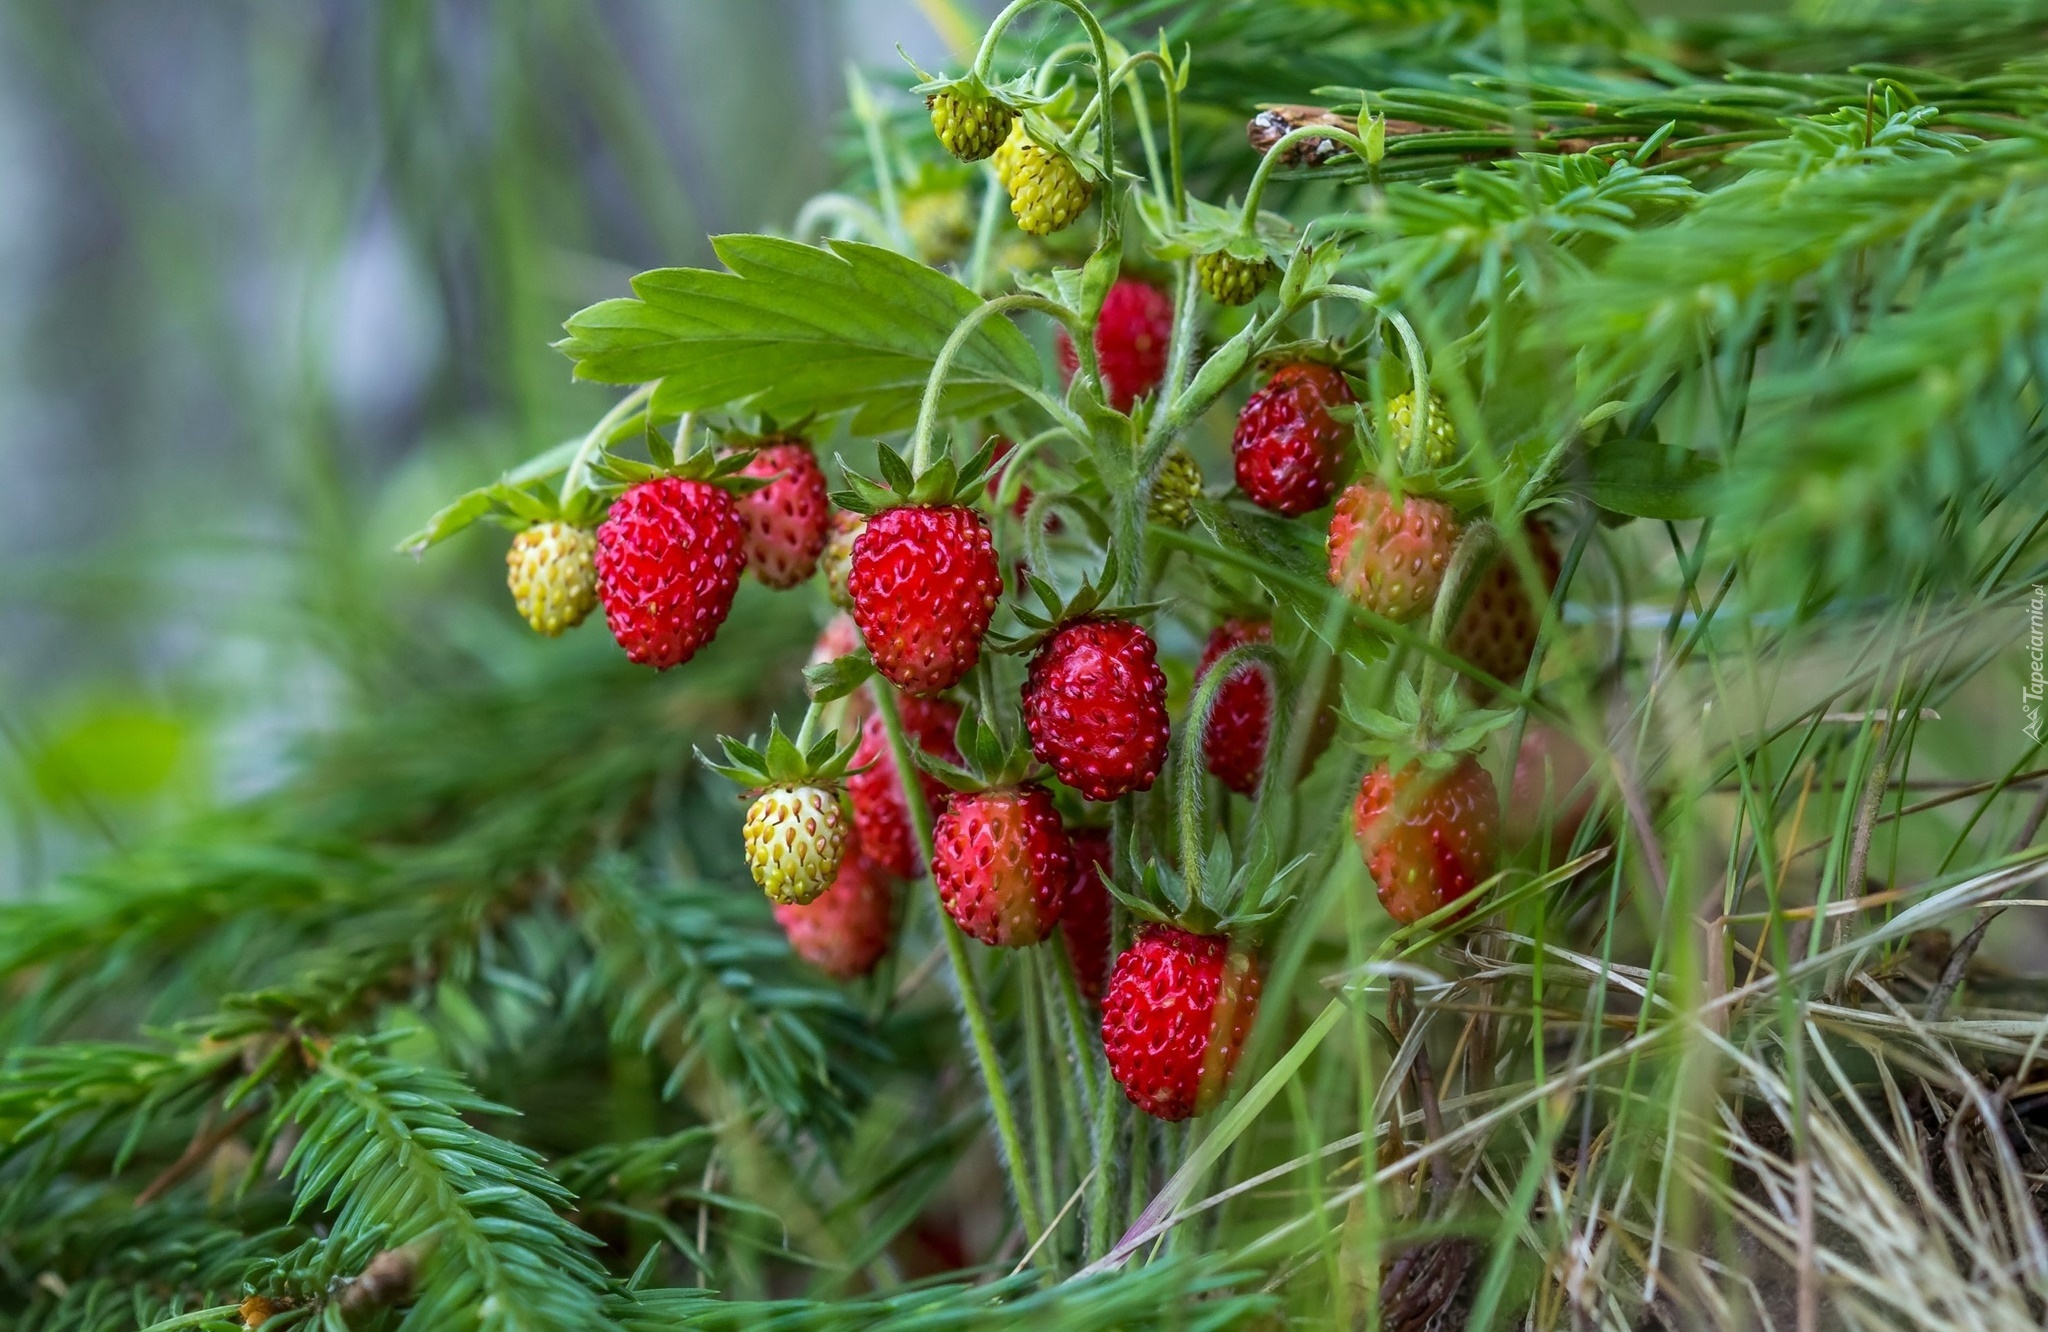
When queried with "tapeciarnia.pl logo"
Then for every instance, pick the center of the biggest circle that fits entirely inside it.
(2037, 648)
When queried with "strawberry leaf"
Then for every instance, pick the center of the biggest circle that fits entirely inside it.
(794, 328)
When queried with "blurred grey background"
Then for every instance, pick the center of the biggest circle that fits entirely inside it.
(279, 276)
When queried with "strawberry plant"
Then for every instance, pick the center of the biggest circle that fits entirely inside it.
(1396, 585)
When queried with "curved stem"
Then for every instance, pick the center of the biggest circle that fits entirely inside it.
(1411, 346)
(935, 383)
(1257, 189)
(971, 1006)
(577, 477)
(984, 60)
(1193, 732)
(1478, 546)
(825, 208)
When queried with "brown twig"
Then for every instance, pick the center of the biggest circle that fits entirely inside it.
(1959, 960)
(204, 1144)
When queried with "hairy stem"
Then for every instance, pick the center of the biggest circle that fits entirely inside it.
(972, 1009)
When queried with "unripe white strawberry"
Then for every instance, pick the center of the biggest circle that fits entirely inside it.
(552, 571)
(795, 838)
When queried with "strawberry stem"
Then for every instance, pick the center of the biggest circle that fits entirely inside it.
(984, 62)
(971, 1007)
(1193, 816)
(1477, 547)
(935, 383)
(577, 477)
(1257, 189)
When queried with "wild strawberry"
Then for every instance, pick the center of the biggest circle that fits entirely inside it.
(1230, 280)
(839, 637)
(669, 558)
(1175, 1018)
(1132, 339)
(879, 815)
(1429, 836)
(837, 557)
(552, 571)
(1095, 705)
(924, 582)
(1552, 791)
(1047, 192)
(845, 930)
(1289, 450)
(786, 519)
(1175, 490)
(1003, 864)
(1439, 436)
(1389, 556)
(1234, 745)
(795, 838)
(971, 125)
(1497, 629)
(1084, 920)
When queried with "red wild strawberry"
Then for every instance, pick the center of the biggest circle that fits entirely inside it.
(1497, 629)
(880, 819)
(1175, 1018)
(1428, 837)
(1084, 920)
(845, 930)
(1131, 342)
(1551, 788)
(787, 518)
(1288, 449)
(1390, 556)
(668, 563)
(1095, 705)
(1003, 864)
(1234, 745)
(924, 582)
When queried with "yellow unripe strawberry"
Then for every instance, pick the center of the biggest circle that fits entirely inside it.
(1047, 191)
(795, 838)
(552, 571)
(1175, 489)
(1230, 280)
(1439, 436)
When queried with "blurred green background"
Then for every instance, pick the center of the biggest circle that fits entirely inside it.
(276, 278)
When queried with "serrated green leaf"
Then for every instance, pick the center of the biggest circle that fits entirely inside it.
(793, 329)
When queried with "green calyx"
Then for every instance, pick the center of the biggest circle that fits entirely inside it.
(1436, 733)
(992, 756)
(690, 462)
(1219, 242)
(1221, 897)
(1086, 604)
(944, 482)
(783, 761)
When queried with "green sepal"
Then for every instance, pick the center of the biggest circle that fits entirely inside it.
(990, 757)
(1436, 733)
(1084, 604)
(690, 463)
(1017, 94)
(829, 681)
(1233, 899)
(1213, 230)
(945, 482)
(783, 762)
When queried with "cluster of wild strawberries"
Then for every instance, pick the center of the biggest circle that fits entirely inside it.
(922, 582)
